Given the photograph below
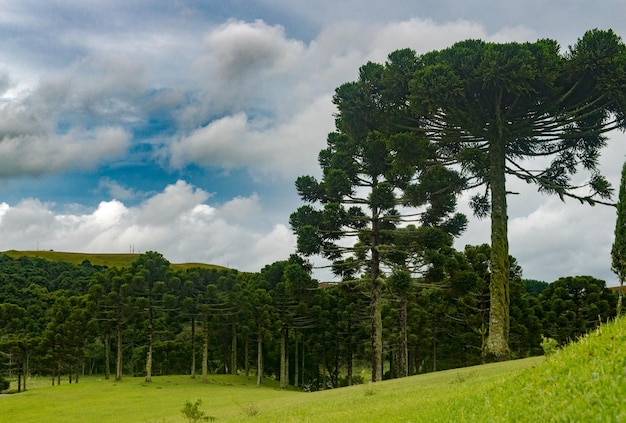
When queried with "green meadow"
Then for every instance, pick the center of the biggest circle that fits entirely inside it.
(584, 382)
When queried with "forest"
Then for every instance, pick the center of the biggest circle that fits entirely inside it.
(64, 321)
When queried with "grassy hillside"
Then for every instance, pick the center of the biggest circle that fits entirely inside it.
(110, 260)
(236, 398)
(585, 382)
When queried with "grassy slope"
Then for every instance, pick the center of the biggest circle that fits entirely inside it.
(585, 382)
(110, 260)
(235, 398)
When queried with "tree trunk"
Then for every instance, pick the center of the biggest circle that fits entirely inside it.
(434, 343)
(205, 349)
(302, 364)
(403, 354)
(246, 354)
(296, 378)
(377, 333)
(350, 354)
(119, 351)
(498, 339)
(233, 350)
(107, 355)
(193, 347)
(26, 368)
(149, 353)
(375, 302)
(259, 358)
(283, 359)
(324, 361)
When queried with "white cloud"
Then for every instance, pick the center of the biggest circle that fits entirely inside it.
(240, 209)
(242, 49)
(285, 149)
(555, 241)
(76, 150)
(116, 190)
(176, 222)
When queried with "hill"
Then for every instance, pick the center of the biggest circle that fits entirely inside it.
(100, 259)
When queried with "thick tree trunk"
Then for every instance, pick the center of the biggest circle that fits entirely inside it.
(107, 355)
(193, 347)
(284, 372)
(434, 343)
(324, 361)
(26, 369)
(246, 359)
(233, 350)
(302, 359)
(350, 353)
(377, 333)
(149, 353)
(296, 378)
(259, 358)
(119, 351)
(375, 302)
(403, 364)
(498, 339)
(205, 349)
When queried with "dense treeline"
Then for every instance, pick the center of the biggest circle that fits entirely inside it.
(60, 319)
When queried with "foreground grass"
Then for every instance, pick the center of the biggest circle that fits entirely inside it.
(109, 260)
(585, 382)
(236, 398)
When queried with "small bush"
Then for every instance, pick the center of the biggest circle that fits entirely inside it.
(549, 345)
(193, 414)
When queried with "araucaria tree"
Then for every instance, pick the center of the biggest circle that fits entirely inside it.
(492, 107)
(370, 168)
(618, 251)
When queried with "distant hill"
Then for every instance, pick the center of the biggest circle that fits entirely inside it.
(102, 259)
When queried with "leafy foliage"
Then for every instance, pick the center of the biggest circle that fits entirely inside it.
(488, 107)
(193, 414)
(618, 249)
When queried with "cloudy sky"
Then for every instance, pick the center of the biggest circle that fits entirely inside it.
(181, 126)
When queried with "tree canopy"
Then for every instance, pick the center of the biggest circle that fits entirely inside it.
(371, 169)
(618, 250)
(520, 109)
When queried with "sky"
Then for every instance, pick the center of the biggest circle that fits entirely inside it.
(180, 126)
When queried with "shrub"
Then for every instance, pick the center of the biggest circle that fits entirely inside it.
(193, 414)
(549, 345)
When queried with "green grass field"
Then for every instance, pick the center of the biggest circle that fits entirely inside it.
(585, 382)
(110, 260)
